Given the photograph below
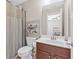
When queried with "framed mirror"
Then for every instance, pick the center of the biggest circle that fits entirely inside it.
(52, 22)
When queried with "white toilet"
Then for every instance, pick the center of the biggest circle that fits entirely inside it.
(26, 51)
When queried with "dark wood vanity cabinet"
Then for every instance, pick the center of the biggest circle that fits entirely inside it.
(45, 51)
(60, 57)
(43, 55)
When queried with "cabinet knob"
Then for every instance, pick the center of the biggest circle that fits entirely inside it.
(55, 58)
(49, 57)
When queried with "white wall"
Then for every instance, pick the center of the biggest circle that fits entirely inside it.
(34, 8)
(68, 18)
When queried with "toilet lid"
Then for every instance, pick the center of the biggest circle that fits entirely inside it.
(24, 49)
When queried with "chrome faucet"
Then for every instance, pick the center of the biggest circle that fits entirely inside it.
(53, 37)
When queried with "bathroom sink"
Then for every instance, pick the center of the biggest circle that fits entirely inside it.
(54, 41)
(58, 42)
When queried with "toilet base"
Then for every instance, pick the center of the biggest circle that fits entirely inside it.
(27, 57)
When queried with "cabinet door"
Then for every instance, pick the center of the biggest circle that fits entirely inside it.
(60, 57)
(42, 55)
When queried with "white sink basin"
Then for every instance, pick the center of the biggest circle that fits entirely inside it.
(58, 42)
(54, 41)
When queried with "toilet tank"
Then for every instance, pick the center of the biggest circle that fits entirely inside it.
(30, 41)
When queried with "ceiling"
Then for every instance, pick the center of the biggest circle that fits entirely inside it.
(17, 2)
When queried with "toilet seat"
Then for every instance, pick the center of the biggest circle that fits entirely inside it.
(24, 50)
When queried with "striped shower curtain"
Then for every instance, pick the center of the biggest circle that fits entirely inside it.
(13, 29)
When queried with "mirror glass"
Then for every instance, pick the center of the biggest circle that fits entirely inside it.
(52, 19)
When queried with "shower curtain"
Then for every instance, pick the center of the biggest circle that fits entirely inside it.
(14, 30)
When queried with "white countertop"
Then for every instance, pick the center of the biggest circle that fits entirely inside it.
(59, 42)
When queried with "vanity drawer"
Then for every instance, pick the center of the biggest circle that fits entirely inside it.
(45, 47)
(62, 52)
